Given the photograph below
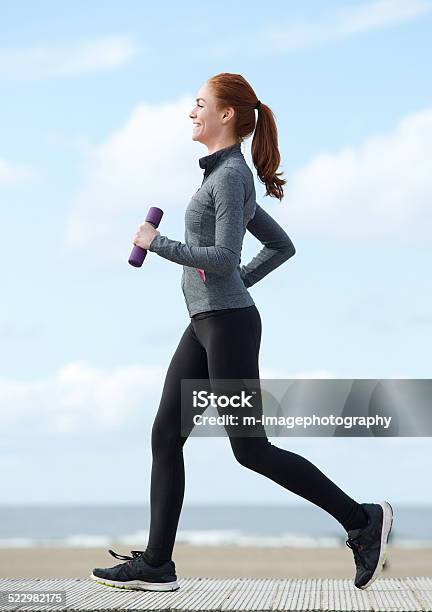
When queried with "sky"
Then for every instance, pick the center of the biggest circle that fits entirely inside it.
(95, 128)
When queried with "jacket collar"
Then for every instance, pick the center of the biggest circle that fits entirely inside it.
(210, 161)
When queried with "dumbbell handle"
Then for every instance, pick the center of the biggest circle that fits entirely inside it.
(138, 254)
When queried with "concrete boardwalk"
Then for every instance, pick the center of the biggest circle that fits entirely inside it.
(232, 594)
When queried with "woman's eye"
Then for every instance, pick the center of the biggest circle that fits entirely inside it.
(199, 106)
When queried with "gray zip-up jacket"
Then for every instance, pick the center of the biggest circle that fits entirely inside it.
(216, 219)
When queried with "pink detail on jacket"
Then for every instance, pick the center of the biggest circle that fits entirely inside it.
(202, 274)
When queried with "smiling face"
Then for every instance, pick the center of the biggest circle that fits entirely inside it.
(211, 127)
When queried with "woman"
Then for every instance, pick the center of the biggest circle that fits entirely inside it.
(222, 340)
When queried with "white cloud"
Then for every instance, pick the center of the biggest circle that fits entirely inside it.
(345, 22)
(14, 174)
(272, 373)
(54, 60)
(341, 23)
(381, 189)
(80, 397)
(150, 161)
(378, 190)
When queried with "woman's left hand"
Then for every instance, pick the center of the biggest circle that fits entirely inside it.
(145, 235)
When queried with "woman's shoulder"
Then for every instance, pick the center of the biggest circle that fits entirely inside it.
(235, 166)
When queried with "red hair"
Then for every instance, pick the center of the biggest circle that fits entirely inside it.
(233, 90)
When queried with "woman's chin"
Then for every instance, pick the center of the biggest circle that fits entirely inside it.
(197, 138)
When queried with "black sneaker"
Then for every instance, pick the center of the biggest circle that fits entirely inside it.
(369, 544)
(137, 574)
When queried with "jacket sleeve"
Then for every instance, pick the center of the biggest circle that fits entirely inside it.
(224, 256)
(277, 247)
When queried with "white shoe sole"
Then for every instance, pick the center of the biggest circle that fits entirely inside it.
(137, 585)
(386, 528)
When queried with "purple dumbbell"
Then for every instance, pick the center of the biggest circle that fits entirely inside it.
(138, 254)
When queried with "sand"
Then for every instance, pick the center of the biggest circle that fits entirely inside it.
(214, 561)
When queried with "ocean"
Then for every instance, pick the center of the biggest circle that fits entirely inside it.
(127, 525)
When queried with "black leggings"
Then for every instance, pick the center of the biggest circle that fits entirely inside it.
(224, 344)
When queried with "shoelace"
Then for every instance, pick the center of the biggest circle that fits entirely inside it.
(356, 548)
(135, 554)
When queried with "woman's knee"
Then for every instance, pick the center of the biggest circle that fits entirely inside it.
(165, 439)
(249, 451)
